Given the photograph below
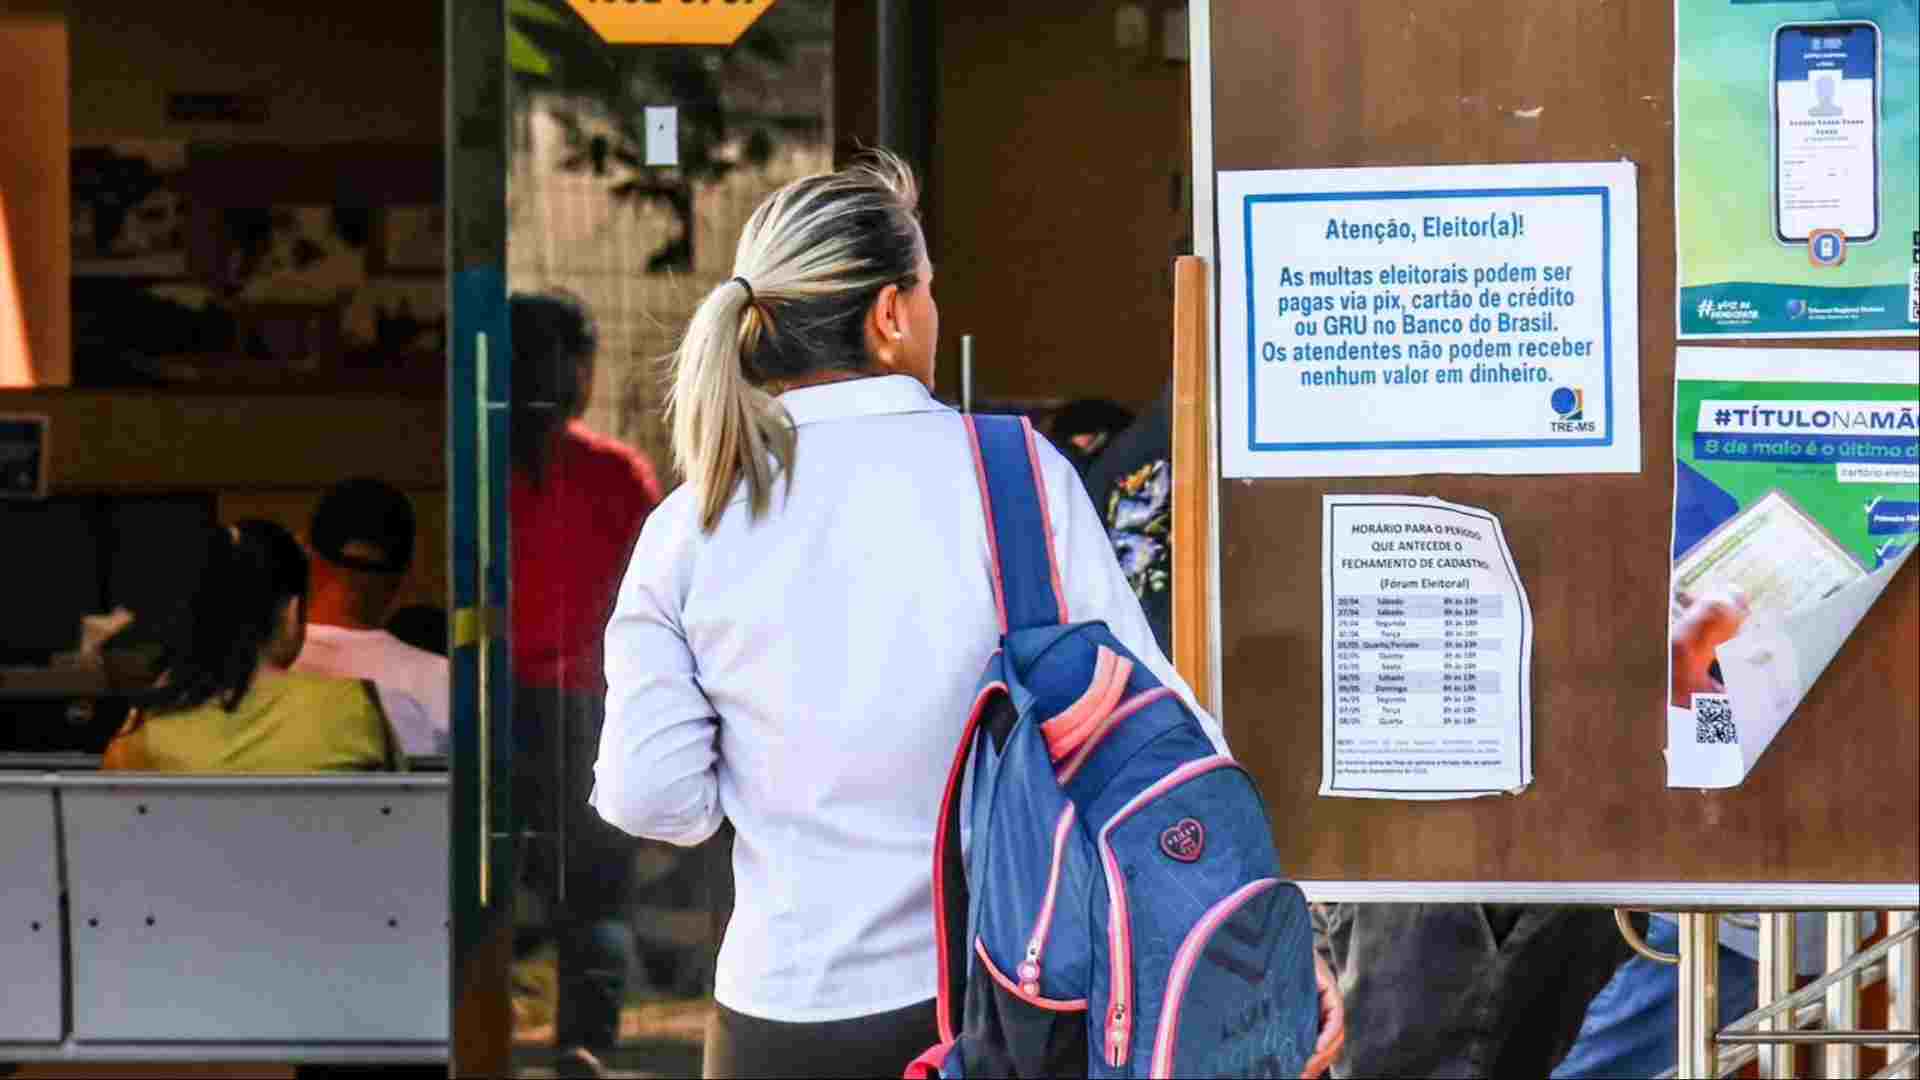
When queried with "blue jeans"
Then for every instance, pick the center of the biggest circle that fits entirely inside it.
(1632, 1025)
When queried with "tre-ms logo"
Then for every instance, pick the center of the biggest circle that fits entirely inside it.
(1570, 405)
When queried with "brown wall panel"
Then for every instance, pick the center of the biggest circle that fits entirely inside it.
(1331, 83)
(350, 70)
(1055, 163)
(124, 441)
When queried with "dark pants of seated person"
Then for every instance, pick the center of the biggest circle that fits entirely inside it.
(1459, 990)
(879, 1045)
(558, 737)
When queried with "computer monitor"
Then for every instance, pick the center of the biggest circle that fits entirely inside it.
(50, 573)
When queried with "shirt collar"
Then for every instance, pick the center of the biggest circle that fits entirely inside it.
(881, 395)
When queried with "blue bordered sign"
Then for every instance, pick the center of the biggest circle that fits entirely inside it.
(1433, 319)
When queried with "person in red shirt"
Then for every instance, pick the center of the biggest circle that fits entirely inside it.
(577, 501)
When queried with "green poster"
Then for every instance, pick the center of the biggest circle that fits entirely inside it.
(1797, 180)
(1796, 498)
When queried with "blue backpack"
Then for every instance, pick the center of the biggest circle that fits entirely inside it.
(1115, 908)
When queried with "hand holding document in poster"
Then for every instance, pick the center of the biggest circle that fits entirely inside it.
(1796, 500)
(1379, 322)
(1427, 652)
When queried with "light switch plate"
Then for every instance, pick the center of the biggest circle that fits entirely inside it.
(663, 135)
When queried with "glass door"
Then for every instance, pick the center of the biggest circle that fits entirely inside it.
(483, 852)
(596, 193)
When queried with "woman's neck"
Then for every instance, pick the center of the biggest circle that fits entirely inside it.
(819, 378)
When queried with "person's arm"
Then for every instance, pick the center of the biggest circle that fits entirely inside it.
(655, 776)
(1097, 588)
(123, 753)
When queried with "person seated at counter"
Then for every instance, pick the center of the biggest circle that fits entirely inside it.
(361, 539)
(226, 701)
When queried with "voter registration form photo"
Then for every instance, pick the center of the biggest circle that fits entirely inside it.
(1776, 556)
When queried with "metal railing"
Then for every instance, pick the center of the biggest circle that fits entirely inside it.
(1823, 1013)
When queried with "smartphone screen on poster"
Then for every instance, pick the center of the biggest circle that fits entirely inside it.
(1826, 130)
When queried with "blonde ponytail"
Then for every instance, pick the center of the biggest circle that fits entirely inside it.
(810, 262)
(725, 429)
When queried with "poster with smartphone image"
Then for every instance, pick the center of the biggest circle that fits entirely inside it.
(1796, 500)
(1797, 188)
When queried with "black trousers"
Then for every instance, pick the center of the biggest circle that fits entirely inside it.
(1465, 990)
(579, 863)
(880, 1045)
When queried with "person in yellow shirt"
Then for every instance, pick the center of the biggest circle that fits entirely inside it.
(226, 701)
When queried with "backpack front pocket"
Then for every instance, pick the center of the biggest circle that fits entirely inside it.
(1233, 999)
(1121, 1018)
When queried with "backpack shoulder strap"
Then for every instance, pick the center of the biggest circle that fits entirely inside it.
(1026, 581)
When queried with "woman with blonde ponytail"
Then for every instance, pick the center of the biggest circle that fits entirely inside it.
(798, 637)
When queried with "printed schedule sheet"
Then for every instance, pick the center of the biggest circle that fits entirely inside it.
(1427, 652)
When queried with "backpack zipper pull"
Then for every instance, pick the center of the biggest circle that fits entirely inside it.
(1117, 1034)
(1029, 971)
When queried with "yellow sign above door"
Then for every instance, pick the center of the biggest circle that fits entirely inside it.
(670, 22)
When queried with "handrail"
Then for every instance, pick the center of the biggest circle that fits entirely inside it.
(1639, 944)
(1735, 1058)
(1898, 1066)
(1867, 1037)
(1817, 989)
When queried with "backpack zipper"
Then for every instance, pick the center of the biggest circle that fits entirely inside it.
(1029, 970)
(1119, 934)
(1120, 955)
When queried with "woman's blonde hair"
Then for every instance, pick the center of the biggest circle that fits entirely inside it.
(810, 263)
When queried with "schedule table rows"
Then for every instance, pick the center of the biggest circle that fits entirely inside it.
(1418, 605)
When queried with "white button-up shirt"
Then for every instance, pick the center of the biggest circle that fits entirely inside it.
(413, 683)
(808, 676)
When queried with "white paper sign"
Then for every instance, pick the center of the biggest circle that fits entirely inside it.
(1427, 652)
(663, 135)
(1465, 319)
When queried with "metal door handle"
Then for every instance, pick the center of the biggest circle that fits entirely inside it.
(483, 549)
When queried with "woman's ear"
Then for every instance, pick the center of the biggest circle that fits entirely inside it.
(291, 635)
(886, 323)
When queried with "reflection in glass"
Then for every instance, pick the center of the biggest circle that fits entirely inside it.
(609, 256)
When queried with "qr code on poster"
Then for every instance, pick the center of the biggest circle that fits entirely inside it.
(1713, 720)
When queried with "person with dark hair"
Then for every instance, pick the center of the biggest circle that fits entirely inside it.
(800, 636)
(578, 500)
(361, 538)
(226, 701)
(1083, 428)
